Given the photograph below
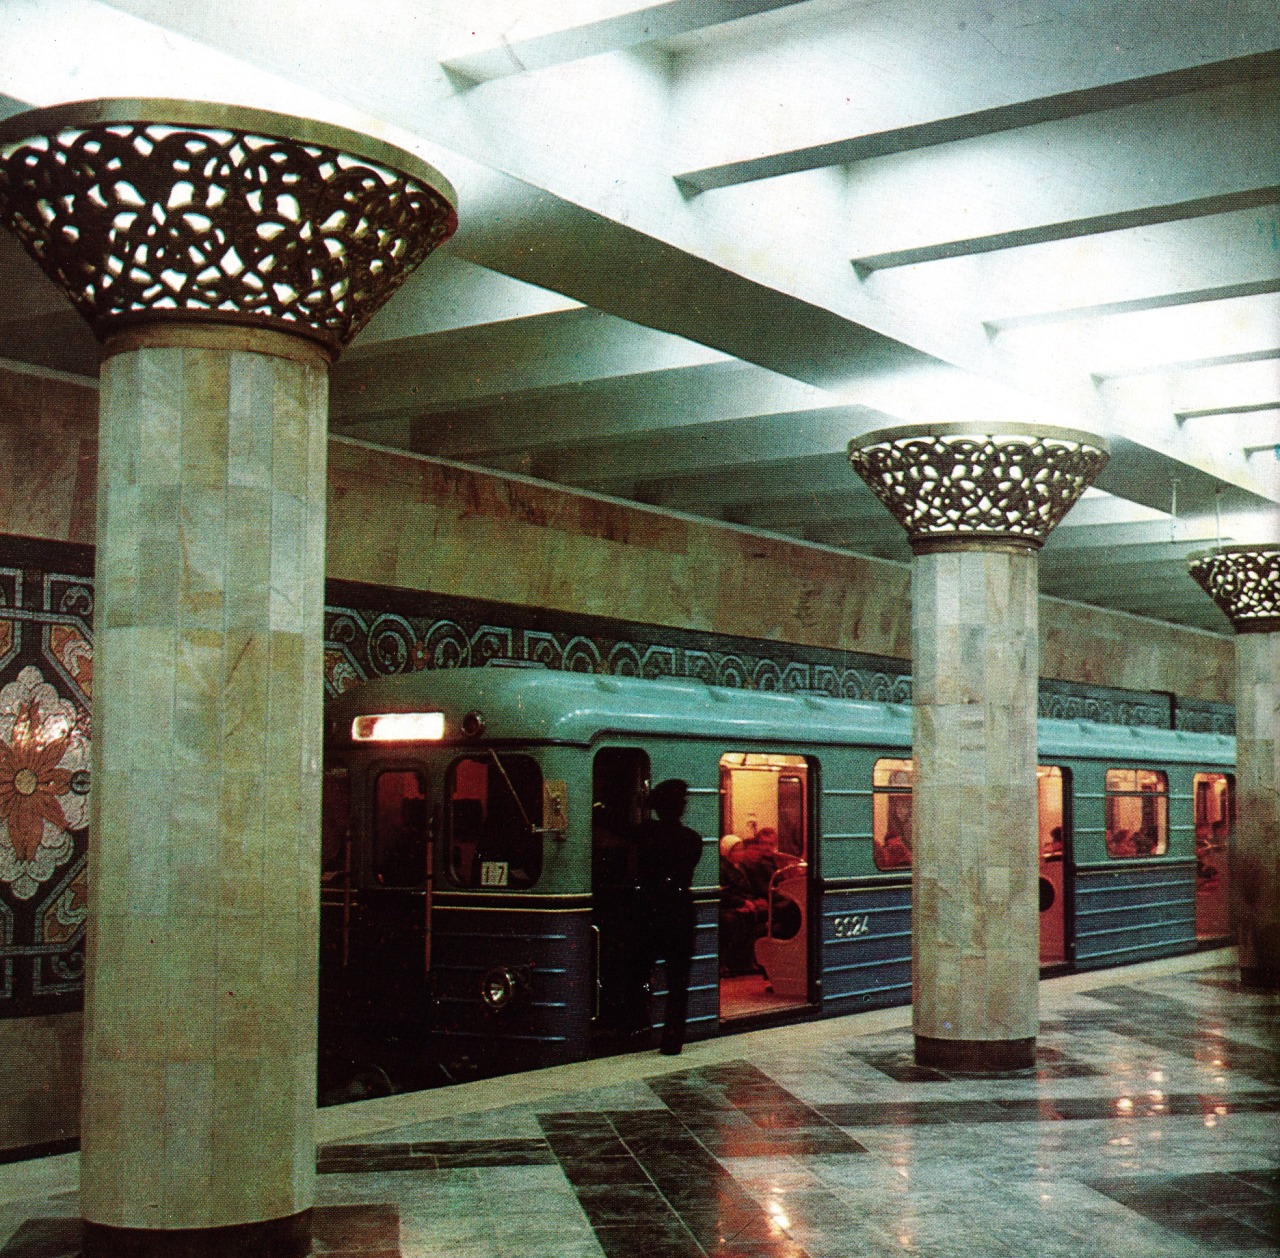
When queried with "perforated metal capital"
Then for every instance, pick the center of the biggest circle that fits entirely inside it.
(1245, 582)
(954, 484)
(179, 210)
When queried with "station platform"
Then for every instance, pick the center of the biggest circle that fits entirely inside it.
(1150, 1128)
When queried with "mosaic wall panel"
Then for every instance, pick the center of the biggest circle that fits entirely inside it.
(46, 686)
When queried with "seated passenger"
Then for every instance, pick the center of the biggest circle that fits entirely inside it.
(1144, 842)
(742, 912)
(762, 862)
(895, 853)
(1120, 843)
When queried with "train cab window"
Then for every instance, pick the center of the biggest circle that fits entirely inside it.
(891, 813)
(494, 821)
(1137, 813)
(619, 790)
(335, 824)
(399, 852)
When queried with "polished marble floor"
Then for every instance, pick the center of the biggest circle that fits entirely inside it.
(1150, 1128)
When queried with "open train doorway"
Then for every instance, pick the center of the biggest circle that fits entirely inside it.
(1051, 787)
(766, 861)
(1215, 815)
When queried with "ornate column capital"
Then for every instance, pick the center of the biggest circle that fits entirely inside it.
(156, 210)
(957, 486)
(1245, 582)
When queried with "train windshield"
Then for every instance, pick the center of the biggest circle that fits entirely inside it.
(399, 850)
(494, 821)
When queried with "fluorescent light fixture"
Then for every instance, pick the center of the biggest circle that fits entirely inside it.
(398, 727)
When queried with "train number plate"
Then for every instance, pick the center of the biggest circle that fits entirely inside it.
(851, 925)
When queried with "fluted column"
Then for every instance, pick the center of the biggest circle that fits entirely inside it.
(1245, 582)
(977, 506)
(223, 257)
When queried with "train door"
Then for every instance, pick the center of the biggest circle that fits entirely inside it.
(765, 899)
(375, 891)
(1215, 814)
(619, 791)
(1051, 785)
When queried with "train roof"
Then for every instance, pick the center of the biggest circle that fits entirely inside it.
(535, 704)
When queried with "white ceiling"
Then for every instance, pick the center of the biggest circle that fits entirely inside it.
(706, 242)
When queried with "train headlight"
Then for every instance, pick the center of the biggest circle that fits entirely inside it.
(398, 727)
(499, 986)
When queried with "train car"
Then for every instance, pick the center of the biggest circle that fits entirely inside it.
(479, 910)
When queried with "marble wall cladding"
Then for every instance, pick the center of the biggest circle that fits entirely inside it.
(975, 881)
(48, 457)
(41, 1061)
(199, 1053)
(407, 522)
(1255, 862)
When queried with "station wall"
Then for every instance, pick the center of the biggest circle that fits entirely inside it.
(435, 564)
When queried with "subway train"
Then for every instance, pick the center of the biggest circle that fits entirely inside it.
(478, 904)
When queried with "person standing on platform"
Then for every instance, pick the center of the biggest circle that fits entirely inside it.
(669, 853)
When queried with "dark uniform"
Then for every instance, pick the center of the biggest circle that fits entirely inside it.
(669, 853)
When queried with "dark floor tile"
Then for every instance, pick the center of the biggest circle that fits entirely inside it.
(1268, 1180)
(44, 1238)
(496, 1157)
(371, 1231)
(648, 1241)
(604, 1172)
(613, 1205)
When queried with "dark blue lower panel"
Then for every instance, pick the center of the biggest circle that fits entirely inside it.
(1132, 914)
(866, 948)
(548, 1020)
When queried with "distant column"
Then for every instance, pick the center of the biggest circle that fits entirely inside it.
(977, 506)
(223, 258)
(1245, 582)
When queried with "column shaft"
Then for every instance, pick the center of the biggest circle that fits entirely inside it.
(200, 1030)
(975, 657)
(1255, 864)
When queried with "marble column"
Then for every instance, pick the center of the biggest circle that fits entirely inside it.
(977, 506)
(1245, 582)
(223, 257)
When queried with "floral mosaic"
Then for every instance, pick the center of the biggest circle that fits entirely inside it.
(44, 781)
(46, 684)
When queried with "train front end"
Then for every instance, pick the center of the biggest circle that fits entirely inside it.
(455, 916)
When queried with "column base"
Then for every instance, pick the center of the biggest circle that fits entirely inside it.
(976, 1057)
(1262, 978)
(289, 1237)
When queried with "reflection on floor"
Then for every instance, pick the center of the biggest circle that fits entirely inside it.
(1148, 1129)
(744, 995)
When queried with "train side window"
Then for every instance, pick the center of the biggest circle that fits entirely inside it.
(399, 854)
(494, 821)
(891, 813)
(1137, 813)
